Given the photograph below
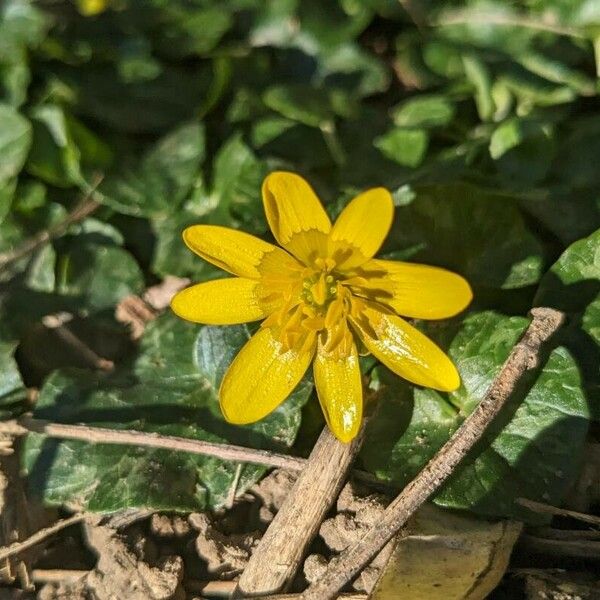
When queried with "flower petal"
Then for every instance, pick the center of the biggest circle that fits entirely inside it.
(425, 292)
(234, 251)
(261, 377)
(404, 349)
(364, 223)
(220, 302)
(292, 206)
(339, 387)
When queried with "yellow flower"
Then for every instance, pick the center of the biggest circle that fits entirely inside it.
(91, 8)
(318, 294)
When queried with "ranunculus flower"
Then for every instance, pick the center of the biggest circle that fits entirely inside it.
(319, 293)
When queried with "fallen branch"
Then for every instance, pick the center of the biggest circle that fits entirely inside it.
(532, 544)
(523, 357)
(219, 589)
(40, 536)
(129, 437)
(276, 559)
(58, 324)
(553, 510)
(101, 435)
(83, 209)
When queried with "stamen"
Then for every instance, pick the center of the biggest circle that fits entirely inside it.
(319, 291)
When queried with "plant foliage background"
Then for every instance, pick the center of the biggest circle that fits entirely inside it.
(482, 118)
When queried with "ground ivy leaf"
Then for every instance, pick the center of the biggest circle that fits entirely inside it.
(424, 111)
(54, 157)
(100, 275)
(15, 141)
(12, 388)
(163, 178)
(522, 455)
(232, 201)
(573, 285)
(404, 146)
(308, 105)
(171, 389)
(470, 231)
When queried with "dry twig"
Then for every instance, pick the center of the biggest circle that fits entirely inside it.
(40, 536)
(275, 561)
(576, 548)
(523, 357)
(128, 437)
(83, 209)
(58, 324)
(218, 589)
(553, 510)
(101, 435)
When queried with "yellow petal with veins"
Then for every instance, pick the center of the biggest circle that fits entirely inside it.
(424, 292)
(364, 225)
(220, 302)
(234, 251)
(292, 207)
(404, 349)
(339, 388)
(262, 376)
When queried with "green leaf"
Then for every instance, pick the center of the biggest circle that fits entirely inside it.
(348, 66)
(7, 190)
(99, 275)
(512, 133)
(27, 216)
(54, 156)
(163, 178)
(21, 24)
(404, 146)
(233, 201)
(175, 393)
(142, 106)
(194, 31)
(237, 179)
(573, 285)
(15, 141)
(557, 72)
(12, 388)
(523, 454)
(268, 129)
(471, 231)
(424, 111)
(308, 105)
(478, 75)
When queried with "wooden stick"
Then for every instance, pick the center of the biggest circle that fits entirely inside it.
(220, 589)
(523, 357)
(83, 209)
(589, 549)
(129, 437)
(40, 536)
(57, 575)
(57, 322)
(101, 435)
(276, 559)
(562, 512)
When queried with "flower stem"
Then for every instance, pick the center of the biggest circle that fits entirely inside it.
(329, 131)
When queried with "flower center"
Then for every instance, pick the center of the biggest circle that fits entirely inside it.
(319, 290)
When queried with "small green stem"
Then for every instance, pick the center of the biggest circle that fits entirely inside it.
(332, 140)
(596, 43)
